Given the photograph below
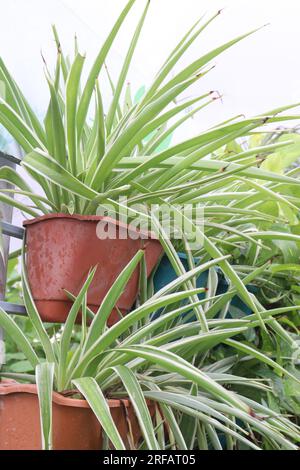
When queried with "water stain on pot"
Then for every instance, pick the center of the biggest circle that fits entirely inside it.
(61, 250)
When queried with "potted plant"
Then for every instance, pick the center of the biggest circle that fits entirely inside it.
(116, 376)
(139, 384)
(84, 163)
(256, 222)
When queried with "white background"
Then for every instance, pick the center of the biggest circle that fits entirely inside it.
(260, 73)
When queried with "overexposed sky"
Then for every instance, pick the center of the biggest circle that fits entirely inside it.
(260, 73)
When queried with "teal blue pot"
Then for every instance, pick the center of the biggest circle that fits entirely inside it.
(166, 274)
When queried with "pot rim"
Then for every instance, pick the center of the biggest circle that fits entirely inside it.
(10, 387)
(88, 218)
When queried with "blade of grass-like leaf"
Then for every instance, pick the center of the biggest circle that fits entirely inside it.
(42, 164)
(96, 143)
(118, 114)
(57, 74)
(219, 210)
(188, 425)
(111, 113)
(202, 61)
(59, 144)
(219, 304)
(54, 191)
(202, 437)
(190, 404)
(101, 124)
(109, 301)
(194, 402)
(91, 391)
(173, 363)
(271, 235)
(18, 337)
(83, 321)
(109, 336)
(149, 334)
(14, 254)
(95, 71)
(18, 102)
(269, 193)
(149, 329)
(122, 124)
(240, 233)
(166, 158)
(64, 64)
(135, 394)
(283, 108)
(173, 424)
(90, 146)
(160, 429)
(194, 157)
(18, 205)
(251, 321)
(15, 376)
(185, 347)
(34, 315)
(72, 89)
(35, 199)
(182, 193)
(191, 274)
(123, 142)
(248, 350)
(11, 176)
(68, 329)
(262, 427)
(128, 103)
(262, 150)
(214, 252)
(143, 282)
(175, 55)
(155, 121)
(72, 297)
(234, 278)
(177, 265)
(195, 344)
(16, 126)
(213, 437)
(286, 425)
(44, 381)
(154, 144)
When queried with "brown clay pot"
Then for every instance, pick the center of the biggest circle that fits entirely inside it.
(75, 426)
(61, 250)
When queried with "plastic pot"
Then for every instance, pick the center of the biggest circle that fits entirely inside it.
(75, 426)
(60, 251)
(166, 274)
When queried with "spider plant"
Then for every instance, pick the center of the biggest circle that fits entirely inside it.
(167, 361)
(266, 212)
(82, 154)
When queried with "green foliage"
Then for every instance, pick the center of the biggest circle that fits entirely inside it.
(81, 162)
(214, 376)
(221, 380)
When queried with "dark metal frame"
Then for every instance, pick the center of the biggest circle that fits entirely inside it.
(12, 230)
(10, 158)
(15, 232)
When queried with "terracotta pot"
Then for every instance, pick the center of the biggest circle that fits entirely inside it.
(74, 425)
(61, 249)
